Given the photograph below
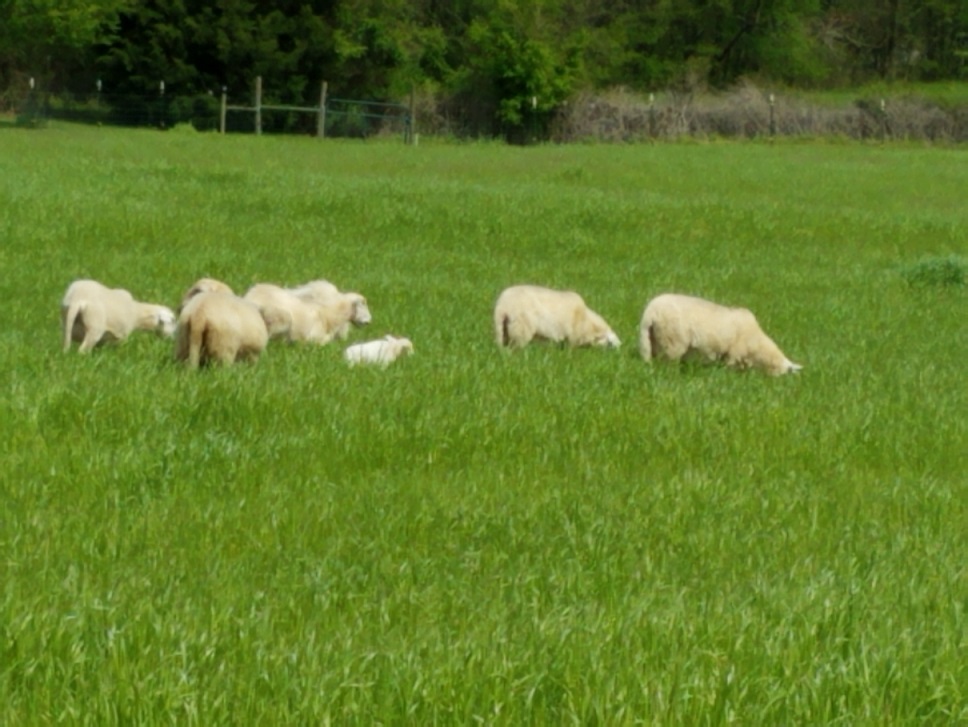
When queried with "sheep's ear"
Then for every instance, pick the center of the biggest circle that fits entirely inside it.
(793, 368)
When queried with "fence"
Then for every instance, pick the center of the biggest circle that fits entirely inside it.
(162, 110)
(615, 115)
(355, 114)
(205, 112)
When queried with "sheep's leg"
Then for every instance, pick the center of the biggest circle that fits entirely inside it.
(227, 355)
(519, 332)
(672, 347)
(94, 328)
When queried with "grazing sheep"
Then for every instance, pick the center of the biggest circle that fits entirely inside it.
(674, 326)
(526, 312)
(204, 285)
(324, 293)
(92, 313)
(316, 291)
(271, 298)
(220, 327)
(383, 351)
(306, 321)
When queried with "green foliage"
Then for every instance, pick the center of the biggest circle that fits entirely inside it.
(548, 537)
(791, 55)
(489, 58)
(47, 38)
(937, 271)
(529, 78)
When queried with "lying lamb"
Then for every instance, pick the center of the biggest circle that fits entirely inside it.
(204, 285)
(323, 292)
(92, 314)
(674, 326)
(300, 320)
(222, 328)
(383, 351)
(525, 312)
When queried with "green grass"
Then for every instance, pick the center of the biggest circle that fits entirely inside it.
(551, 537)
(947, 93)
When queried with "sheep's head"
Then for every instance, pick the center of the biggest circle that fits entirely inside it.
(610, 340)
(361, 311)
(597, 332)
(404, 346)
(791, 368)
(165, 321)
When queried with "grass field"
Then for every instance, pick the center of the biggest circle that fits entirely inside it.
(551, 537)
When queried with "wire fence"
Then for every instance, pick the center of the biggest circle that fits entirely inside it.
(608, 116)
(210, 112)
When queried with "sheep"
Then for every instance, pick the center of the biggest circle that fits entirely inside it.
(525, 312)
(676, 325)
(220, 327)
(383, 351)
(204, 285)
(92, 313)
(300, 320)
(324, 293)
(316, 291)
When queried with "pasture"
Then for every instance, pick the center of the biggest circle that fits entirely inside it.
(550, 537)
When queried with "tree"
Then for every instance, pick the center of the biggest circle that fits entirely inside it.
(51, 38)
(523, 76)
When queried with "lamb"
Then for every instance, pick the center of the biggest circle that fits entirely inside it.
(92, 313)
(526, 312)
(675, 326)
(383, 351)
(220, 327)
(324, 293)
(204, 285)
(306, 321)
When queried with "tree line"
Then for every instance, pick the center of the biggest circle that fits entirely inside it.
(519, 60)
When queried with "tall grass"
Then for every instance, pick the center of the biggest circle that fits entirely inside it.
(554, 536)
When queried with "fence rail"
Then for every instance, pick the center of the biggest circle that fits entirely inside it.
(321, 111)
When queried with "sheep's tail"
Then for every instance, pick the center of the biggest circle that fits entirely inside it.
(647, 340)
(504, 336)
(196, 337)
(70, 315)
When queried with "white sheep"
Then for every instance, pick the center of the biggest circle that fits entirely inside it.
(204, 285)
(92, 313)
(383, 351)
(316, 291)
(302, 320)
(675, 326)
(526, 312)
(221, 328)
(324, 293)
